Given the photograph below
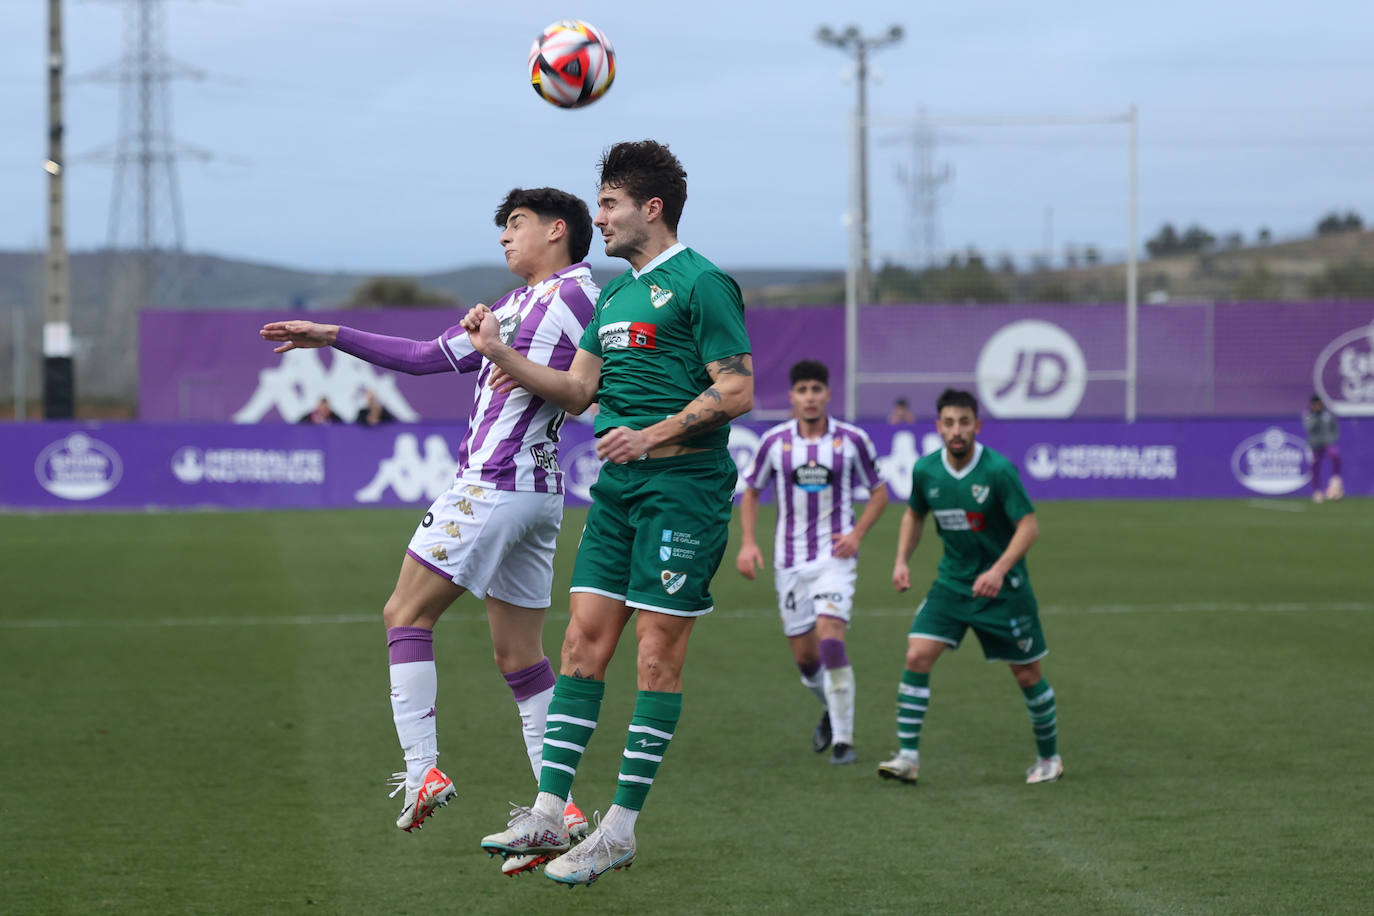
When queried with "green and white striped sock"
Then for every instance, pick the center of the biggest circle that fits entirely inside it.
(651, 729)
(1044, 721)
(913, 698)
(573, 712)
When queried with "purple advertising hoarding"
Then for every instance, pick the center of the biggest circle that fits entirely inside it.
(84, 466)
(1023, 362)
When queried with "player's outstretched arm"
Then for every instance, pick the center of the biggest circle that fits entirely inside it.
(750, 559)
(907, 538)
(573, 390)
(299, 335)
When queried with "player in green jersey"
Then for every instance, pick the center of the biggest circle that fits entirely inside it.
(667, 358)
(987, 524)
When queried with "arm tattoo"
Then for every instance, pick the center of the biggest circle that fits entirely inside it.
(692, 423)
(733, 365)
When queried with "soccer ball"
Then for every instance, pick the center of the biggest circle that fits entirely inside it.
(571, 64)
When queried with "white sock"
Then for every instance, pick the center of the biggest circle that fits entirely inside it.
(816, 684)
(619, 824)
(534, 711)
(913, 756)
(839, 699)
(551, 805)
(414, 689)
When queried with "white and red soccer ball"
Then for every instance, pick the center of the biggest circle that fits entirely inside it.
(572, 64)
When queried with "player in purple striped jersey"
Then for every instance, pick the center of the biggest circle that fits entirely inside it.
(815, 464)
(493, 532)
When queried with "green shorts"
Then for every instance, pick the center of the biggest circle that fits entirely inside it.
(1008, 626)
(657, 530)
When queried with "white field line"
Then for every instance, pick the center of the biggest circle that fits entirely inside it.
(1197, 607)
(1281, 505)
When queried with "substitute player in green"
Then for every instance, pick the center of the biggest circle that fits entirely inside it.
(667, 358)
(987, 524)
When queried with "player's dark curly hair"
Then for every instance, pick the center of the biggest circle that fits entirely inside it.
(646, 169)
(809, 370)
(952, 397)
(551, 203)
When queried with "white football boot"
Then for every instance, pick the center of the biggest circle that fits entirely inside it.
(528, 832)
(901, 768)
(591, 858)
(434, 793)
(1045, 769)
(577, 829)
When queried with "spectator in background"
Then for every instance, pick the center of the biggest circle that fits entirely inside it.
(901, 413)
(374, 412)
(1322, 433)
(322, 413)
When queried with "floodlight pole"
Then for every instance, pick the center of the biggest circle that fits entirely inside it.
(857, 283)
(1132, 293)
(59, 395)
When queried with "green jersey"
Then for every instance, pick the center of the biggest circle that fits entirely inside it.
(976, 511)
(655, 331)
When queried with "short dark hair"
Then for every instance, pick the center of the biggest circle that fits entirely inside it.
(645, 169)
(551, 203)
(952, 397)
(809, 370)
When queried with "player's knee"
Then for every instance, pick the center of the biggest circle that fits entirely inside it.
(399, 613)
(920, 660)
(1026, 675)
(583, 651)
(658, 671)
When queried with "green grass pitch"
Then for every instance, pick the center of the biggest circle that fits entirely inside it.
(195, 720)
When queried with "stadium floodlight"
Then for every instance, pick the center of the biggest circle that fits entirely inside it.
(857, 286)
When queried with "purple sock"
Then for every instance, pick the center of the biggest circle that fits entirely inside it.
(409, 644)
(833, 654)
(526, 682)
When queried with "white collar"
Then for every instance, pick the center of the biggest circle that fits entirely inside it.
(658, 261)
(960, 475)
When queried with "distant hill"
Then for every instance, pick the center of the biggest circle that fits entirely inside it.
(105, 327)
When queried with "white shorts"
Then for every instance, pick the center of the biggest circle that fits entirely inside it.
(492, 542)
(805, 592)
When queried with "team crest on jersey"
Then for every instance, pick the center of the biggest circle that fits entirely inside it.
(980, 493)
(510, 326)
(659, 297)
(672, 581)
(933, 492)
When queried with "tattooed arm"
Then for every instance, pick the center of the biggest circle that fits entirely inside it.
(730, 395)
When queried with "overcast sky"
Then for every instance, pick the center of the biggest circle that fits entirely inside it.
(379, 137)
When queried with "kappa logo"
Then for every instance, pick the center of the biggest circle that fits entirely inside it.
(980, 493)
(464, 506)
(409, 473)
(672, 581)
(439, 554)
(453, 530)
(301, 379)
(659, 297)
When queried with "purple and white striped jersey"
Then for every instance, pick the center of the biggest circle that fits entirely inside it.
(814, 482)
(511, 442)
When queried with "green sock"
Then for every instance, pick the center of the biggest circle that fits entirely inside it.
(1044, 722)
(913, 696)
(651, 730)
(572, 718)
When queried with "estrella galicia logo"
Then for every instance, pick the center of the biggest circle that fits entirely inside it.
(78, 467)
(1273, 462)
(1344, 373)
(1031, 368)
(812, 477)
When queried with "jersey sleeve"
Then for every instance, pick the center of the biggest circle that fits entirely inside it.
(1015, 503)
(718, 317)
(574, 312)
(866, 472)
(917, 500)
(591, 335)
(457, 346)
(760, 471)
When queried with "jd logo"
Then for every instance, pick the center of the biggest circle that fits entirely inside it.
(1031, 368)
